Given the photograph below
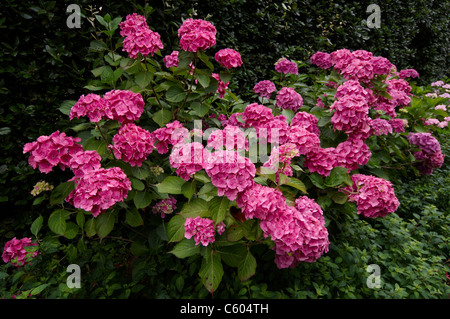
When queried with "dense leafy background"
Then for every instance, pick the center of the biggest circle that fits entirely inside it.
(43, 64)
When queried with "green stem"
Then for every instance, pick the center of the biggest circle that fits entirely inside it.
(104, 138)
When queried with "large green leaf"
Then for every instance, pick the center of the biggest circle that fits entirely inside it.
(185, 248)
(338, 175)
(233, 255)
(219, 207)
(133, 218)
(196, 207)
(37, 225)
(296, 183)
(162, 117)
(142, 199)
(175, 94)
(175, 228)
(211, 271)
(60, 192)
(247, 266)
(104, 224)
(171, 185)
(57, 221)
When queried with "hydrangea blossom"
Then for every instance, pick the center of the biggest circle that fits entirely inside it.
(306, 205)
(165, 207)
(425, 141)
(351, 87)
(304, 140)
(256, 115)
(171, 60)
(430, 155)
(285, 66)
(307, 121)
(408, 73)
(361, 70)
(40, 187)
(427, 162)
(221, 89)
(15, 252)
(188, 159)
(50, 151)
(280, 159)
(123, 106)
(381, 65)
(322, 60)
(230, 173)
(132, 144)
(262, 202)
(350, 113)
(228, 58)
(91, 105)
(97, 190)
(374, 196)
(264, 88)
(321, 160)
(85, 161)
(398, 125)
(202, 229)
(380, 127)
(351, 153)
(277, 131)
(172, 134)
(288, 98)
(196, 34)
(230, 138)
(341, 58)
(132, 23)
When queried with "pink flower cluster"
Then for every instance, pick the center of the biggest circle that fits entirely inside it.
(221, 90)
(430, 156)
(91, 105)
(351, 153)
(228, 58)
(285, 66)
(380, 127)
(230, 138)
(264, 88)
(188, 159)
(171, 60)
(299, 232)
(123, 106)
(84, 161)
(280, 159)
(165, 206)
(50, 151)
(97, 190)
(132, 144)
(172, 134)
(196, 34)
(202, 229)
(374, 196)
(307, 121)
(408, 73)
(15, 252)
(138, 38)
(288, 98)
(230, 172)
(350, 114)
(322, 60)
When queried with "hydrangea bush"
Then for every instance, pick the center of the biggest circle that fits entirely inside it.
(164, 141)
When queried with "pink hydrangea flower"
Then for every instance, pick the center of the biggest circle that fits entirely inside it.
(408, 73)
(398, 125)
(427, 162)
(264, 88)
(188, 159)
(91, 105)
(280, 159)
(360, 70)
(350, 113)
(84, 161)
(171, 60)
(230, 172)
(15, 252)
(374, 196)
(143, 41)
(262, 202)
(256, 115)
(132, 144)
(400, 90)
(123, 105)
(322, 60)
(351, 87)
(341, 58)
(221, 89)
(351, 153)
(380, 127)
(425, 141)
(304, 140)
(202, 229)
(432, 122)
(172, 134)
(307, 121)
(306, 205)
(381, 65)
(50, 151)
(288, 98)
(220, 228)
(321, 160)
(196, 34)
(285, 66)
(441, 107)
(165, 207)
(298, 237)
(228, 58)
(97, 190)
(362, 55)
(132, 23)
(277, 131)
(230, 138)
(437, 83)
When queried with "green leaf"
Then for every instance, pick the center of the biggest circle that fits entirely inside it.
(339, 197)
(225, 76)
(137, 184)
(71, 230)
(196, 207)
(188, 189)
(247, 267)
(219, 207)
(142, 199)
(89, 227)
(133, 218)
(234, 232)
(201, 176)
(143, 79)
(60, 192)
(162, 117)
(37, 225)
(104, 224)
(94, 144)
(175, 94)
(66, 106)
(185, 248)
(233, 255)
(38, 289)
(204, 80)
(211, 271)
(57, 221)
(199, 109)
(141, 172)
(171, 185)
(175, 228)
(296, 183)
(81, 219)
(337, 176)
(317, 180)
(138, 248)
